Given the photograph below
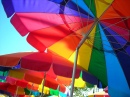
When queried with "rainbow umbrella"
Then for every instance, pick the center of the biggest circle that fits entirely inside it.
(95, 31)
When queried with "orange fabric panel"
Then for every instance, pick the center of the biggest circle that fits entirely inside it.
(99, 96)
(11, 59)
(118, 9)
(34, 78)
(122, 7)
(32, 86)
(64, 80)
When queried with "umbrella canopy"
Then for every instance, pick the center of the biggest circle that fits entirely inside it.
(39, 62)
(103, 26)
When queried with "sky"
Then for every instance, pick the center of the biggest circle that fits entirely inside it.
(10, 39)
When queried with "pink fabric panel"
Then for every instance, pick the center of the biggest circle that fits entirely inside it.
(27, 22)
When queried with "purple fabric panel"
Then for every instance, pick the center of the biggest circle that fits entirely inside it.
(128, 48)
(8, 7)
(2, 77)
(117, 40)
(89, 78)
(36, 6)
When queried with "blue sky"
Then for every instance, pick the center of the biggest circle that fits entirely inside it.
(10, 39)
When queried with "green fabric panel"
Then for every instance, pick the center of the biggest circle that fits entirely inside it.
(91, 6)
(6, 73)
(27, 91)
(97, 64)
(1, 73)
(54, 92)
(89, 85)
(80, 74)
(2, 80)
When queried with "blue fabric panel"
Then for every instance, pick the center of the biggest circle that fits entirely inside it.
(17, 66)
(62, 94)
(4, 92)
(76, 5)
(116, 79)
(2, 77)
(57, 1)
(4, 68)
(35, 93)
(122, 54)
(82, 7)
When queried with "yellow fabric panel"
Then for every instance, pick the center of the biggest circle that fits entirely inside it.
(45, 91)
(65, 47)
(91, 96)
(84, 52)
(16, 74)
(20, 91)
(101, 6)
(79, 83)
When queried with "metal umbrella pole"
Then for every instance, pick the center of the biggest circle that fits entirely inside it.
(43, 85)
(76, 56)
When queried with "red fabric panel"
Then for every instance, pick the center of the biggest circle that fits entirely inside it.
(37, 61)
(51, 73)
(21, 83)
(49, 36)
(63, 67)
(4, 86)
(51, 83)
(14, 81)
(11, 80)
(12, 89)
(119, 22)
